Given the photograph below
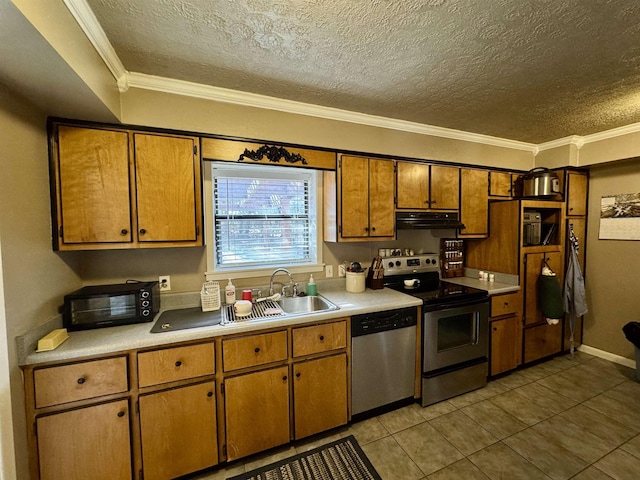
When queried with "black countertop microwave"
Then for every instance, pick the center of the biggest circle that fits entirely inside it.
(100, 306)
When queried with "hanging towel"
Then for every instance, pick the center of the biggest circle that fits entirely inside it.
(575, 302)
(550, 296)
(574, 297)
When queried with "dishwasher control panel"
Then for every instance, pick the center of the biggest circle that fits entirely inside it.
(383, 321)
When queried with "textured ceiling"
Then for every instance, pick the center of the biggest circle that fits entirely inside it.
(528, 70)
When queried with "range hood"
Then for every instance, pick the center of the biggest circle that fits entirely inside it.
(427, 220)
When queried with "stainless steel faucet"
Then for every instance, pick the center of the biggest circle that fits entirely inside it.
(292, 285)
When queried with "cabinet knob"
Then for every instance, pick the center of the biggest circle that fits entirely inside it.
(124, 231)
(373, 229)
(209, 394)
(298, 374)
(495, 329)
(284, 379)
(121, 414)
(178, 363)
(322, 338)
(433, 202)
(81, 380)
(142, 231)
(506, 304)
(257, 350)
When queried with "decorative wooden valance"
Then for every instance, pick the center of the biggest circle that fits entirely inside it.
(232, 151)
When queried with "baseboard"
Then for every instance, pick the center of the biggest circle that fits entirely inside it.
(612, 357)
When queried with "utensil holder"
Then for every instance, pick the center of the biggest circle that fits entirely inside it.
(356, 282)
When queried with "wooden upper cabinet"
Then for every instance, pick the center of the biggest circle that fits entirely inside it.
(445, 187)
(421, 186)
(500, 184)
(413, 185)
(366, 198)
(108, 183)
(92, 178)
(576, 187)
(167, 186)
(474, 208)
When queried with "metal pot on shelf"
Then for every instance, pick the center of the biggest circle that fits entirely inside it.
(540, 182)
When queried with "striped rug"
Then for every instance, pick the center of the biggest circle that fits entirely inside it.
(339, 460)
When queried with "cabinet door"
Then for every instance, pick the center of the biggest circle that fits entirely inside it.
(445, 187)
(354, 201)
(93, 185)
(91, 443)
(320, 395)
(500, 184)
(474, 202)
(167, 188)
(178, 431)
(506, 344)
(577, 193)
(542, 341)
(382, 218)
(412, 180)
(256, 411)
(533, 265)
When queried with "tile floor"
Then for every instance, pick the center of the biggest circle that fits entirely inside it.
(570, 417)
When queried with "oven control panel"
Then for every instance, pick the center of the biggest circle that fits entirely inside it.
(426, 262)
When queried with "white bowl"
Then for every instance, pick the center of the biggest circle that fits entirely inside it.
(242, 308)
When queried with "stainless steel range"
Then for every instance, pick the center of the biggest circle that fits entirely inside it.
(454, 327)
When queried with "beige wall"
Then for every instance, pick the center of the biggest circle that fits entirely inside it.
(610, 149)
(34, 277)
(558, 157)
(148, 108)
(612, 266)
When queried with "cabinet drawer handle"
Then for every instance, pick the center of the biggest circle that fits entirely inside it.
(121, 414)
(322, 338)
(142, 231)
(257, 350)
(209, 394)
(178, 363)
(506, 304)
(81, 380)
(124, 231)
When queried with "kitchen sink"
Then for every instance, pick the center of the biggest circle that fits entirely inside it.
(308, 304)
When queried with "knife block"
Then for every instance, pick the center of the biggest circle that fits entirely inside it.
(375, 274)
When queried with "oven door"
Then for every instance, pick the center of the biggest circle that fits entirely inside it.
(455, 334)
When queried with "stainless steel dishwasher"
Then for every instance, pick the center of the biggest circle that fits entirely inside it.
(383, 359)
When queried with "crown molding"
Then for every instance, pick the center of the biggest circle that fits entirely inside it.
(181, 87)
(613, 133)
(561, 142)
(94, 32)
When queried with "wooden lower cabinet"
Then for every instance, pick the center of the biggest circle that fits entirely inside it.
(319, 394)
(179, 432)
(506, 344)
(542, 341)
(90, 443)
(256, 411)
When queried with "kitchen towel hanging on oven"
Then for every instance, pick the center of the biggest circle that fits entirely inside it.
(550, 295)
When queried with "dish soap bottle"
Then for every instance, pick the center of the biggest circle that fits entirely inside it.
(312, 288)
(230, 293)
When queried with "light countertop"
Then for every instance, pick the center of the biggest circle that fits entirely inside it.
(105, 341)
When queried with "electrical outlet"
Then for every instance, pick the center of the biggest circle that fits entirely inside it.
(165, 283)
(328, 271)
(342, 271)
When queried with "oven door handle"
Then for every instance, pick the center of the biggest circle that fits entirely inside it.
(452, 305)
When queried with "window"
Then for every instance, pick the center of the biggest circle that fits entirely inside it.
(261, 217)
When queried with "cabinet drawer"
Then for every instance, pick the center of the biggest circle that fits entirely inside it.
(79, 381)
(319, 338)
(505, 304)
(179, 363)
(243, 352)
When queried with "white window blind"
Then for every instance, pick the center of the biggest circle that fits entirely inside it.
(263, 216)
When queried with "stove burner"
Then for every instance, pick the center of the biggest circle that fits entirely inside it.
(423, 269)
